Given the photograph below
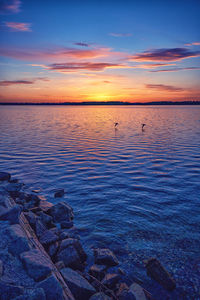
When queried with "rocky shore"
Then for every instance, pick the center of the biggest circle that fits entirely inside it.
(41, 256)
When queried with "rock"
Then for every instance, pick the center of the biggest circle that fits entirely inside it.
(31, 218)
(98, 271)
(70, 258)
(1, 268)
(18, 241)
(157, 272)
(11, 214)
(78, 285)
(34, 199)
(34, 294)
(77, 245)
(4, 176)
(100, 296)
(64, 235)
(8, 291)
(52, 288)
(14, 189)
(39, 228)
(110, 280)
(61, 212)
(66, 224)
(36, 264)
(45, 219)
(47, 238)
(60, 265)
(137, 291)
(53, 249)
(45, 205)
(105, 257)
(59, 193)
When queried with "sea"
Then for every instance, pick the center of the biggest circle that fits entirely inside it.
(133, 190)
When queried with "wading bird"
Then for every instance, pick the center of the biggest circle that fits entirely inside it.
(143, 126)
(116, 124)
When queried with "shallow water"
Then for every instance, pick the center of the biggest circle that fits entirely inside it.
(135, 191)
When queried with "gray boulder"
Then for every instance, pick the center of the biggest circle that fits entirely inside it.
(78, 285)
(48, 237)
(14, 189)
(59, 193)
(110, 280)
(66, 224)
(4, 176)
(100, 296)
(36, 264)
(33, 294)
(53, 249)
(8, 291)
(77, 245)
(157, 272)
(97, 271)
(61, 212)
(105, 257)
(137, 291)
(70, 258)
(52, 288)
(11, 214)
(18, 241)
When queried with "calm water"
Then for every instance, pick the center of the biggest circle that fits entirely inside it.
(136, 192)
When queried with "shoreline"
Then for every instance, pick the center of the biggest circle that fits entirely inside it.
(43, 250)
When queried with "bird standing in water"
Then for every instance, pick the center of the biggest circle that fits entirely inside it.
(116, 124)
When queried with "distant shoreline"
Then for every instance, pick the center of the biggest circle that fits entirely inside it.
(106, 103)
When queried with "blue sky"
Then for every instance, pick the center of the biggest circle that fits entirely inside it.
(99, 50)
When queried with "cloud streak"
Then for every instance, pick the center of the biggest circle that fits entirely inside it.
(82, 44)
(193, 44)
(21, 82)
(165, 54)
(175, 69)
(9, 6)
(74, 66)
(163, 87)
(16, 26)
(115, 34)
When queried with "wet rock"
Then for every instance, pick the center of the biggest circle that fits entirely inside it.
(64, 235)
(60, 265)
(137, 291)
(61, 212)
(59, 193)
(8, 291)
(11, 214)
(53, 249)
(31, 218)
(33, 294)
(105, 257)
(78, 285)
(4, 176)
(45, 219)
(98, 271)
(18, 241)
(45, 205)
(14, 189)
(39, 228)
(110, 280)
(157, 272)
(100, 296)
(70, 258)
(36, 264)
(52, 288)
(66, 224)
(1, 268)
(47, 238)
(77, 245)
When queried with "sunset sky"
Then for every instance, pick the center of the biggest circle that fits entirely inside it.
(58, 51)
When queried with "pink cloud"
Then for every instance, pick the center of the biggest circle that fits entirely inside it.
(15, 26)
(193, 44)
(9, 6)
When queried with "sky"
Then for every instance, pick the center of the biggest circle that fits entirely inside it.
(72, 51)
